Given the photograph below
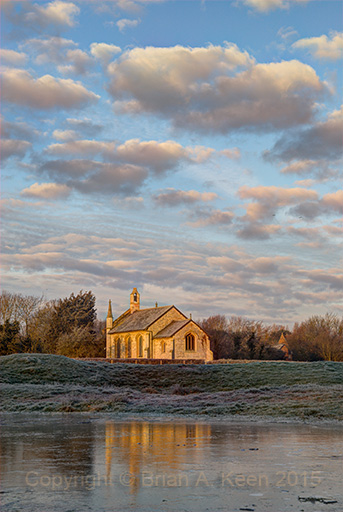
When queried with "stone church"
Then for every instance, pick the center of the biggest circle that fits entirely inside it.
(154, 333)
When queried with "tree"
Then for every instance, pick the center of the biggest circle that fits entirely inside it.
(72, 312)
(27, 305)
(318, 338)
(8, 307)
(9, 338)
(216, 328)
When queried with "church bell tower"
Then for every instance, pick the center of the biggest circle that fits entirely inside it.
(134, 301)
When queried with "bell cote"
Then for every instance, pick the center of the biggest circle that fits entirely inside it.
(134, 301)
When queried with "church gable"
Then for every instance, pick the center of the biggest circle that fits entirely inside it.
(173, 314)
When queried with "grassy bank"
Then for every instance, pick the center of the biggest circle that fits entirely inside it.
(49, 383)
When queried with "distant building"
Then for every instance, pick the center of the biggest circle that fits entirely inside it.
(282, 346)
(154, 333)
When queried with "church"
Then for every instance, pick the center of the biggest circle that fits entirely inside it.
(155, 333)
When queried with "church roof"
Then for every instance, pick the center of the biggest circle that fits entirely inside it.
(172, 328)
(138, 320)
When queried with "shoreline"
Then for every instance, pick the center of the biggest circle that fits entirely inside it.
(170, 418)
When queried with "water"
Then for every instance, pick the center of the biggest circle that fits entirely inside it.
(79, 463)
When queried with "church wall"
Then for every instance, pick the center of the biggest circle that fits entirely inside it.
(202, 344)
(165, 320)
(163, 348)
(124, 338)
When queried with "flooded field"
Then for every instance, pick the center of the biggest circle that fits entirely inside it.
(87, 463)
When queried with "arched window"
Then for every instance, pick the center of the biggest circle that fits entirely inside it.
(128, 348)
(135, 297)
(140, 346)
(189, 342)
(118, 348)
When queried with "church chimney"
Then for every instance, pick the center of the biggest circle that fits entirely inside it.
(134, 300)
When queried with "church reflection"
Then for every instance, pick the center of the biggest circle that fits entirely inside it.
(153, 447)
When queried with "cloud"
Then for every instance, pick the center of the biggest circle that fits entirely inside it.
(17, 130)
(157, 156)
(12, 58)
(286, 33)
(92, 177)
(81, 147)
(111, 179)
(55, 13)
(57, 50)
(78, 62)
(46, 92)
(85, 126)
(200, 88)
(63, 169)
(322, 141)
(124, 23)
(334, 201)
(160, 156)
(323, 47)
(16, 138)
(46, 191)
(211, 217)
(64, 135)
(13, 147)
(104, 52)
(267, 200)
(48, 49)
(172, 197)
(257, 231)
(233, 154)
(269, 5)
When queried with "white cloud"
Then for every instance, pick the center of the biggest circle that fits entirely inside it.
(64, 135)
(48, 49)
(323, 47)
(104, 52)
(46, 92)
(12, 58)
(55, 13)
(78, 62)
(269, 5)
(197, 88)
(125, 23)
(46, 191)
(158, 156)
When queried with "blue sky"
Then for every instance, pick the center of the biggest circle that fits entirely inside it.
(189, 148)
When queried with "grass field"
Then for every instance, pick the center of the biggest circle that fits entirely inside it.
(49, 383)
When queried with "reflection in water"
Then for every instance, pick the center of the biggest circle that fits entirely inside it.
(74, 462)
(165, 444)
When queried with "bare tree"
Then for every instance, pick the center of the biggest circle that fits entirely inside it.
(27, 305)
(9, 303)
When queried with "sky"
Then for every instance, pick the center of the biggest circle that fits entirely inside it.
(191, 149)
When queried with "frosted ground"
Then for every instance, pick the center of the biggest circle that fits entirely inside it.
(274, 390)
